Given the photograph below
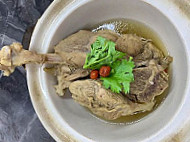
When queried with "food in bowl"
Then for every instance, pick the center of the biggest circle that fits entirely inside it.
(113, 74)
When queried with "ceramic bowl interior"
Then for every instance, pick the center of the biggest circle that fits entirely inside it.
(80, 123)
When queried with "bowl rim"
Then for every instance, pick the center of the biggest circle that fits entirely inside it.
(42, 112)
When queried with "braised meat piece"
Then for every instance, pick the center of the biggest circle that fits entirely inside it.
(103, 102)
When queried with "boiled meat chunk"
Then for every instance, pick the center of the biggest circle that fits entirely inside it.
(65, 75)
(149, 82)
(151, 52)
(65, 78)
(73, 49)
(108, 34)
(102, 102)
(130, 44)
(165, 62)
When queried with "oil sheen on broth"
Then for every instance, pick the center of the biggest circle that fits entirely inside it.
(127, 26)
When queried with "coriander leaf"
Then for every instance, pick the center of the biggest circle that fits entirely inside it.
(121, 76)
(102, 53)
(126, 86)
(112, 84)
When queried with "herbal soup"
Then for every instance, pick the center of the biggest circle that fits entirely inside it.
(118, 69)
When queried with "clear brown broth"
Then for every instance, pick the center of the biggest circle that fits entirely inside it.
(127, 26)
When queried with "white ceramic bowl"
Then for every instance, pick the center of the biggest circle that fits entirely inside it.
(64, 119)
